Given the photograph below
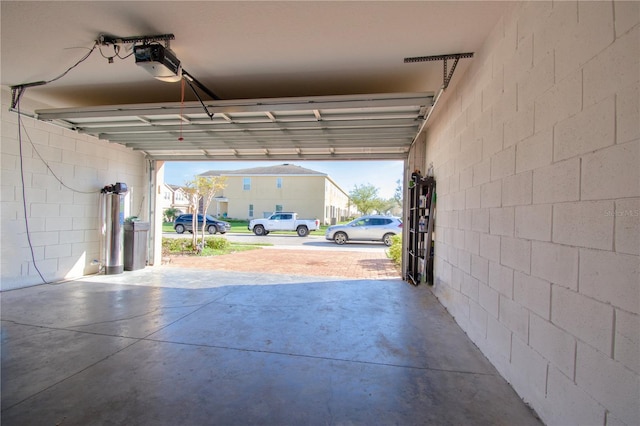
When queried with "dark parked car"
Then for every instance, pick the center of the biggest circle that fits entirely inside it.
(184, 222)
(366, 228)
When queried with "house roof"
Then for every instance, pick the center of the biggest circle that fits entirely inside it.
(280, 170)
(174, 187)
(277, 170)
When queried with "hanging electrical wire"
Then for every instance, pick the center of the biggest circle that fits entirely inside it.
(18, 90)
(16, 95)
(24, 203)
(47, 164)
(22, 129)
(84, 58)
(116, 53)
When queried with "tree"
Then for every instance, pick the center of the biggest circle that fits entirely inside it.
(194, 197)
(397, 195)
(383, 206)
(208, 187)
(171, 213)
(365, 198)
(202, 188)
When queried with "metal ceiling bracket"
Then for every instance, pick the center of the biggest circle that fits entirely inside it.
(105, 39)
(445, 58)
(206, 110)
(18, 90)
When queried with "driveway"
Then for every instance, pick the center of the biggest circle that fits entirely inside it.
(309, 256)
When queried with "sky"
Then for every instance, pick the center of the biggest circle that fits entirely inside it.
(381, 174)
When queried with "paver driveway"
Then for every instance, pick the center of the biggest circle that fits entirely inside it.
(322, 263)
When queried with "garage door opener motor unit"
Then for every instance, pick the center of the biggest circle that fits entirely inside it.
(158, 61)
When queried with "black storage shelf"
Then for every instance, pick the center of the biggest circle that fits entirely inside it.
(421, 221)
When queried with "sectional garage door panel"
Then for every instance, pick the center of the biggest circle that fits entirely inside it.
(381, 126)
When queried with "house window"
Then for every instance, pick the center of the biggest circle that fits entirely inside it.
(246, 184)
(278, 207)
(279, 182)
(250, 210)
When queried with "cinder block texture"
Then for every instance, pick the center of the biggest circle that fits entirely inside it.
(518, 127)
(489, 299)
(553, 98)
(503, 164)
(585, 224)
(528, 372)
(517, 189)
(628, 111)
(614, 70)
(63, 222)
(532, 293)
(591, 129)
(591, 321)
(533, 222)
(477, 322)
(490, 247)
(594, 29)
(559, 103)
(609, 382)
(516, 253)
(627, 338)
(612, 172)
(501, 221)
(535, 151)
(491, 194)
(555, 263)
(498, 339)
(626, 15)
(627, 221)
(501, 279)
(514, 317)
(554, 344)
(611, 277)
(568, 404)
(557, 183)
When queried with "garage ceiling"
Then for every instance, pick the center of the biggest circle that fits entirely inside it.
(296, 78)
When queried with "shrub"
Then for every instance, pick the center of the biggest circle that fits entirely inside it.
(177, 245)
(185, 245)
(395, 250)
(217, 243)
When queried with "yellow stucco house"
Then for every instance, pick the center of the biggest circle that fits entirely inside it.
(260, 191)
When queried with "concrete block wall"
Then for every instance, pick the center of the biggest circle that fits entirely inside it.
(537, 157)
(63, 218)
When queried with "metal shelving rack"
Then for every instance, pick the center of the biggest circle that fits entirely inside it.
(421, 217)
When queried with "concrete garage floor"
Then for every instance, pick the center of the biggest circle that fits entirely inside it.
(170, 346)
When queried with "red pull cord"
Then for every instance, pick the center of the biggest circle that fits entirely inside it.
(181, 107)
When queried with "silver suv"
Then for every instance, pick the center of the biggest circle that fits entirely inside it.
(366, 228)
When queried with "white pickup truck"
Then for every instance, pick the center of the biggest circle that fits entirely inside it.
(282, 221)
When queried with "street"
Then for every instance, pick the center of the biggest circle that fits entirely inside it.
(315, 241)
